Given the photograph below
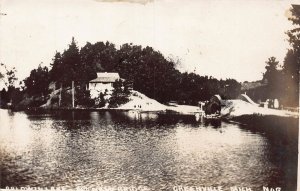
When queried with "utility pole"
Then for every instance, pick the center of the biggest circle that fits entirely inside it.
(59, 101)
(73, 92)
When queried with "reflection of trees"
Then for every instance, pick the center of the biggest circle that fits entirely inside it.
(216, 123)
(281, 149)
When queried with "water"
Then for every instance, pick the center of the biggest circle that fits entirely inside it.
(124, 149)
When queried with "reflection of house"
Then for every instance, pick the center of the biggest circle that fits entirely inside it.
(103, 83)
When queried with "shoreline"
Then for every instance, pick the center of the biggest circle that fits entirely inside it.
(169, 110)
(242, 119)
(240, 116)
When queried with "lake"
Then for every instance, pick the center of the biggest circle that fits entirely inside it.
(120, 150)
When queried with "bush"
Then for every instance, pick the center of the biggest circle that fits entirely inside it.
(120, 94)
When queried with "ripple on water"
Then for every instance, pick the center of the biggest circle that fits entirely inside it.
(109, 149)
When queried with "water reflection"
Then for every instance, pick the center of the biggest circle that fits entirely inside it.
(96, 149)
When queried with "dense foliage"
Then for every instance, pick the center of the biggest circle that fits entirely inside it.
(11, 94)
(38, 81)
(147, 70)
(283, 82)
(292, 60)
(120, 94)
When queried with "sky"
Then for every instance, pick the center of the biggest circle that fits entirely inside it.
(223, 39)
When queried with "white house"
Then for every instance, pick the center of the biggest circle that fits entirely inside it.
(103, 82)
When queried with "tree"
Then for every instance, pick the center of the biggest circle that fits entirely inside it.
(3, 98)
(1, 76)
(100, 100)
(148, 70)
(144, 69)
(292, 60)
(98, 57)
(10, 74)
(71, 59)
(38, 81)
(14, 95)
(82, 97)
(119, 95)
(57, 68)
(271, 70)
(67, 67)
(294, 34)
(273, 76)
(291, 78)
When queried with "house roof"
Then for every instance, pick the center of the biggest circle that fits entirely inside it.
(106, 77)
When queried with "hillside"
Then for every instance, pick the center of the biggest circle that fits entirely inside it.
(139, 101)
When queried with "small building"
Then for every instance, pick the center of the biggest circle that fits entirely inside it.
(103, 83)
(214, 105)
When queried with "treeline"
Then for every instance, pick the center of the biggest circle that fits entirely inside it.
(150, 73)
(282, 80)
(148, 70)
